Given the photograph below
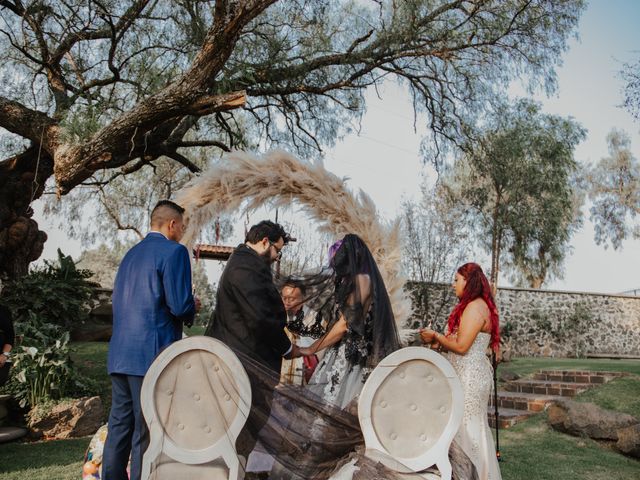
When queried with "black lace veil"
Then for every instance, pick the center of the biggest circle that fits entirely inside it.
(367, 310)
(303, 436)
(352, 287)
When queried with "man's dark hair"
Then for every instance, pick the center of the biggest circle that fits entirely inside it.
(266, 228)
(294, 282)
(164, 211)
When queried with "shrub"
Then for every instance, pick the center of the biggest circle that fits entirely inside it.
(57, 293)
(45, 304)
(42, 370)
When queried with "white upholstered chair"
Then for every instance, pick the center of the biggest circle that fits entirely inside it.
(195, 399)
(410, 409)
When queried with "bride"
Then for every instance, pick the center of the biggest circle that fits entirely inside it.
(362, 331)
(473, 326)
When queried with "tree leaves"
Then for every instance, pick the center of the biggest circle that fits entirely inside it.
(614, 189)
(519, 180)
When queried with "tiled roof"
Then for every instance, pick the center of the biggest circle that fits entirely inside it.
(212, 252)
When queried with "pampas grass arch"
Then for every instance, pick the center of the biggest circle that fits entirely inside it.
(278, 179)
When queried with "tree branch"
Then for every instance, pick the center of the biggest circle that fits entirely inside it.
(32, 124)
(202, 143)
(181, 159)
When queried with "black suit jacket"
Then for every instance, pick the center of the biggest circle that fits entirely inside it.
(249, 315)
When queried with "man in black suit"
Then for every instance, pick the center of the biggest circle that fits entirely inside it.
(250, 318)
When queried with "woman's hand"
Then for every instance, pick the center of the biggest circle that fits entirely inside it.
(427, 335)
(305, 351)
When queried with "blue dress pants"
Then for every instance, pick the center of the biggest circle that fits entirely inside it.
(127, 432)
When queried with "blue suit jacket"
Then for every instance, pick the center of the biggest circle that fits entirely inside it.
(151, 299)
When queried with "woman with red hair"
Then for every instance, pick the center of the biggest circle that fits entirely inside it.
(472, 328)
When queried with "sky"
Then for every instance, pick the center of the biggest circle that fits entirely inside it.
(383, 157)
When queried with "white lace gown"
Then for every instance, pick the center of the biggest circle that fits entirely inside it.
(336, 380)
(474, 435)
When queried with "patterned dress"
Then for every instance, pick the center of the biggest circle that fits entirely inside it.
(303, 329)
(341, 373)
(474, 435)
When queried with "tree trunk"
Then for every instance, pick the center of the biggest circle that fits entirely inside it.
(22, 180)
(536, 282)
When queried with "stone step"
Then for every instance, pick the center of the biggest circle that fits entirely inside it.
(546, 387)
(576, 376)
(532, 402)
(508, 417)
(610, 373)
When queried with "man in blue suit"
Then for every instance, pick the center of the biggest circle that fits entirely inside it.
(152, 298)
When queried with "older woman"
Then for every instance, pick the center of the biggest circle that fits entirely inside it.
(472, 327)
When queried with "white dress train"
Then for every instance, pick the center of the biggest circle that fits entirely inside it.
(474, 435)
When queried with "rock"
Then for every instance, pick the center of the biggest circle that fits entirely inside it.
(77, 418)
(587, 419)
(629, 440)
(507, 376)
(92, 332)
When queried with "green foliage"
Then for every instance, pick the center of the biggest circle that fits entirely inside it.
(45, 305)
(631, 75)
(57, 293)
(518, 181)
(303, 65)
(506, 331)
(437, 238)
(42, 370)
(614, 189)
(205, 292)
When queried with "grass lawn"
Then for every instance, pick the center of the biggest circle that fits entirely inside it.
(526, 366)
(55, 460)
(534, 451)
(90, 358)
(531, 449)
(621, 394)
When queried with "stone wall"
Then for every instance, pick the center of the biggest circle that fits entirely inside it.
(534, 322)
(548, 323)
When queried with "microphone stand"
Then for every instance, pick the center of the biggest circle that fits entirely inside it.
(494, 361)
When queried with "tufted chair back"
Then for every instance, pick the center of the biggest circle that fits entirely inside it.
(195, 399)
(410, 409)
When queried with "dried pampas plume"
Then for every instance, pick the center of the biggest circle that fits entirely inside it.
(280, 179)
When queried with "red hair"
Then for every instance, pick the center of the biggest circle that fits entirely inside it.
(477, 286)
